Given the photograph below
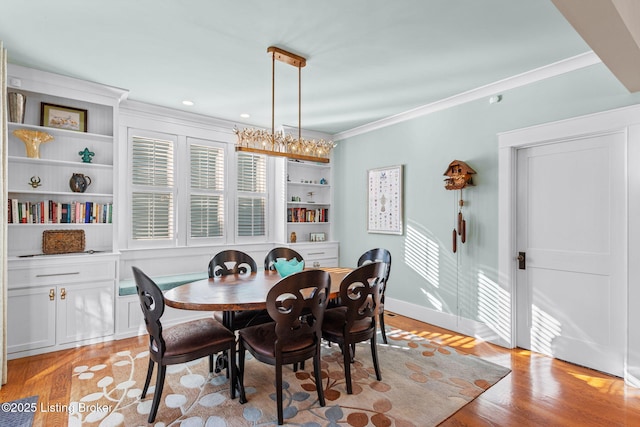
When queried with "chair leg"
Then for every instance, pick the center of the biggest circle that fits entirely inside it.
(374, 357)
(148, 380)
(162, 369)
(346, 353)
(211, 363)
(382, 328)
(233, 380)
(279, 393)
(240, 372)
(316, 370)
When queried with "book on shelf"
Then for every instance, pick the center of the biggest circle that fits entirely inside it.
(53, 212)
(307, 215)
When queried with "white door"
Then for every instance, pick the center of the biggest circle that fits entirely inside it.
(571, 225)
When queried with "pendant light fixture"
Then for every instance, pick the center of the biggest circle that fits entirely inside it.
(280, 143)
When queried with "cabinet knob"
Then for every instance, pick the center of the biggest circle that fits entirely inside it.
(63, 293)
(52, 294)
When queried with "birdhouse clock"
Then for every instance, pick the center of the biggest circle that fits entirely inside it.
(458, 176)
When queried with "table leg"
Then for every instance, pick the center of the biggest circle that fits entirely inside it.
(222, 361)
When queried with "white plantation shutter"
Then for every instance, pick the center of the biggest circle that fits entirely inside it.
(152, 196)
(207, 191)
(252, 194)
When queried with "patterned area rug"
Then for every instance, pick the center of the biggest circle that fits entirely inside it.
(19, 413)
(423, 383)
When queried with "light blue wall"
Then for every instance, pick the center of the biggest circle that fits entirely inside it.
(424, 269)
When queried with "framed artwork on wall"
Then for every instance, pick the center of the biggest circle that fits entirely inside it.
(385, 200)
(61, 117)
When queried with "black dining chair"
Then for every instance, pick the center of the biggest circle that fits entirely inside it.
(297, 305)
(277, 253)
(180, 343)
(236, 262)
(231, 262)
(381, 255)
(355, 320)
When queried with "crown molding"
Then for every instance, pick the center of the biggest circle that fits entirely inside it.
(30, 79)
(552, 70)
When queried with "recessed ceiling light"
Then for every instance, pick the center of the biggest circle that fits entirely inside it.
(187, 102)
(245, 115)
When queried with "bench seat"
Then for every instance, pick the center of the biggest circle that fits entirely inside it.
(128, 286)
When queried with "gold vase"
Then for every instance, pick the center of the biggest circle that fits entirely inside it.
(32, 140)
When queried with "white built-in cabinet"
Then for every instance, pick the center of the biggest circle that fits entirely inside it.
(309, 214)
(57, 301)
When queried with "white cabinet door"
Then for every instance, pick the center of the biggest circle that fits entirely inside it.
(31, 315)
(85, 311)
(318, 255)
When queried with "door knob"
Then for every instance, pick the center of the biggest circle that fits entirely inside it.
(522, 260)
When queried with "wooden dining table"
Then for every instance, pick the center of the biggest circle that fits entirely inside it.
(236, 292)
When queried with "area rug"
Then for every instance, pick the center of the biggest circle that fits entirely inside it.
(18, 413)
(423, 383)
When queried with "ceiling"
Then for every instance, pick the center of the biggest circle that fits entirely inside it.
(366, 59)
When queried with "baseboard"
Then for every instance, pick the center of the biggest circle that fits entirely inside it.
(449, 321)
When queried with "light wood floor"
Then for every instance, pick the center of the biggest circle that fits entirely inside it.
(539, 391)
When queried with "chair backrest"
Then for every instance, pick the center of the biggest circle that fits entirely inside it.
(231, 262)
(361, 292)
(377, 254)
(297, 303)
(380, 255)
(152, 305)
(275, 253)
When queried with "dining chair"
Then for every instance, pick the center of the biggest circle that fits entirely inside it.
(231, 262)
(269, 264)
(180, 343)
(297, 305)
(355, 320)
(280, 252)
(236, 262)
(382, 255)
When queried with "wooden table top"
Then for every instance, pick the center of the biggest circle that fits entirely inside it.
(236, 292)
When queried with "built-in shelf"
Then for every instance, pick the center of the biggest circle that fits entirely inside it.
(60, 132)
(60, 193)
(28, 160)
(307, 184)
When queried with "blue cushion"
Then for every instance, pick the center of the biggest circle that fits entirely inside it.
(128, 286)
(286, 268)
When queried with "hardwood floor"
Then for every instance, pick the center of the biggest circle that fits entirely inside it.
(539, 391)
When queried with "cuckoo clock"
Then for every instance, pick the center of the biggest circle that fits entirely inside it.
(458, 176)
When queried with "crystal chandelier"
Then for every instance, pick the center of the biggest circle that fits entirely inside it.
(280, 143)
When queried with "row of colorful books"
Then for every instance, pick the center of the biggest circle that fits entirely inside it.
(52, 212)
(307, 215)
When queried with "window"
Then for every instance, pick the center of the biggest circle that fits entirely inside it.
(153, 189)
(252, 195)
(207, 191)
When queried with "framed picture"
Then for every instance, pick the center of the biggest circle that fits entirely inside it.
(61, 117)
(385, 200)
(317, 237)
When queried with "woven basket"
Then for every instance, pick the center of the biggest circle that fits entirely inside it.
(62, 241)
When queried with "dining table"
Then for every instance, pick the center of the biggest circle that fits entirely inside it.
(237, 292)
